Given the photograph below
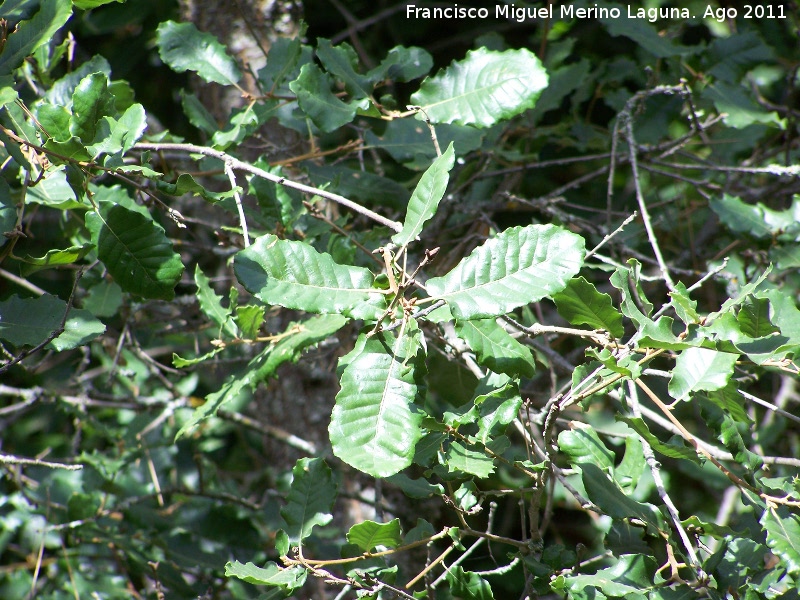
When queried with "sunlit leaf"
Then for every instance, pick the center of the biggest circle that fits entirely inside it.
(783, 535)
(294, 275)
(36, 30)
(287, 579)
(211, 305)
(519, 266)
(484, 88)
(374, 426)
(700, 369)
(425, 199)
(368, 535)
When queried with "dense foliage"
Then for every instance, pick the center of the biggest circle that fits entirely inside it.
(523, 324)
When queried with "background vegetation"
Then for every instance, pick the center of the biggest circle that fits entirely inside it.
(398, 308)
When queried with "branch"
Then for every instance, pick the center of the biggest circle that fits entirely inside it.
(626, 121)
(235, 163)
(7, 459)
(655, 471)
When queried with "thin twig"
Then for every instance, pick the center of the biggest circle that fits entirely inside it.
(238, 198)
(626, 120)
(655, 472)
(235, 163)
(31, 287)
(610, 235)
(8, 459)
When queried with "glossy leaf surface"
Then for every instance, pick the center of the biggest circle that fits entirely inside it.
(519, 266)
(484, 88)
(374, 426)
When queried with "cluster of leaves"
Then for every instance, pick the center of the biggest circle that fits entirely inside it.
(490, 368)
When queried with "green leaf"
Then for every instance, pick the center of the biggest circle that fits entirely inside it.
(244, 122)
(80, 328)
(715, 530)
(626, 280)
(742, 295)
(739, 107)
(425, 199)
(249, 320)
(342, 61)
(415, 488)
(674, 448)
(198, 114)
(609, 498)
(37, 30)
(753, 318)
(55, 258)
(374, 426)
(700, 369)
(581, 304)
(296, 338)
(495, 348)
(402, 64)
(729, 58)
(731, 401)
(630, 469)
(496, 409)
(310, 500)
(181, 363)
(276, 201)
(184, 48)
(8, 211)
(211, 305)
(30, 321)
(519, 266)
(14, 149)
(684, 306)
(467, 585)
(91, 101)
(314, 96)
(282, 58)
(54, 121)
(368, 535)
(122, 134)
(459, 457)
(484, 88)
(54, 191)
(136, 251)
(643, 33)
(631, 578)
(186, 184)
(783, 536)
(90, 4)
(730, 433)
(409, 142)
(287, 579)
(103, 299)
(294, 275)
(757, 220)
(581, 444)
(626, 365)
